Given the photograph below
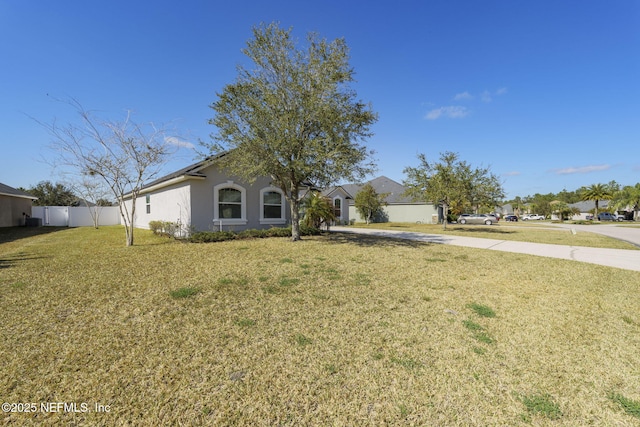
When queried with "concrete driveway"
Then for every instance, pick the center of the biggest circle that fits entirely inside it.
(619, 258)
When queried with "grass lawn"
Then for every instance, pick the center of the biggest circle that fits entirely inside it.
(332, 330)
(524, 231)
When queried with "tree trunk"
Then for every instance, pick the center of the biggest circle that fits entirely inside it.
(445, 213)
(294, 202)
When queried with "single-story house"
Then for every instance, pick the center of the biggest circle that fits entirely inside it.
(15, 206)
(205, 197)
(399, 208)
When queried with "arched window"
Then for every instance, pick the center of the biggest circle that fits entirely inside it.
(337, 207)
(272, 206)
(230, 204)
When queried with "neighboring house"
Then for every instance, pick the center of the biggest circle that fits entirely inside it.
(204, 197)
(15, 206)
(399, 208)
(587, 207)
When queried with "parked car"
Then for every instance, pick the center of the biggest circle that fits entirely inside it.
(511, 218)
(487, 219)
(532, 217)
(589, 217)
(608, 216)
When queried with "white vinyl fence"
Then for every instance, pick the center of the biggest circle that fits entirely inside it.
(81, 216)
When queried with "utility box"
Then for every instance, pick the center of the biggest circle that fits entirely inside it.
(33, 222)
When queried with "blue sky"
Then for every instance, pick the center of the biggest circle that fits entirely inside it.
(546, 93)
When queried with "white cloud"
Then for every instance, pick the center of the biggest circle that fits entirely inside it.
(512, 173)
(487, 96)
(450, 112)
(462, 96)
(582, 169)
(178, 142)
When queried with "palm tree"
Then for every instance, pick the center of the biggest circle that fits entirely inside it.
(596, 192)
(629, 196)
(317, 210)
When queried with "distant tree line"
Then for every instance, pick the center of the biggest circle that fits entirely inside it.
(58, 194)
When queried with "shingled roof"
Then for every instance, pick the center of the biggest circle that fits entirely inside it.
(382, 184)
(5, 190)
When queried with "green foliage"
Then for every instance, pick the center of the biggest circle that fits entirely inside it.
(596, 192)
(221, 236)
(369, 203)
(453, 183)
(292, 116)
(50, 194)
(628, 196)
(317, 210)
(563, 210)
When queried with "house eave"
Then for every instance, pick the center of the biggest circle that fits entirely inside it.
(19, 196)
(170, 182)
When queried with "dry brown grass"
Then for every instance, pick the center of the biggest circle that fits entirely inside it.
(333, 330)
(524, 231)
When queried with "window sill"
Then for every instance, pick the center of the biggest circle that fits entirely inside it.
(230, 221)
(278, 221)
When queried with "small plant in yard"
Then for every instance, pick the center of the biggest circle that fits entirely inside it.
(482, 310)
(407, 362)
(631, 407)
(542, 404)
(245, 322)
(184, 292)
(472, 326)
(628, 320)
(331, 368)
(289, 281)
(479, 332)
(302, 340)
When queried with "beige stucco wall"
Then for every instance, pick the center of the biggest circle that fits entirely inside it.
(11, 209)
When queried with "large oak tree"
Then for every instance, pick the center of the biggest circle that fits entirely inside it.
(293, 116)
(452, 182)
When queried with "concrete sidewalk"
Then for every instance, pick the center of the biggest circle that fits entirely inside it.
(619, 258)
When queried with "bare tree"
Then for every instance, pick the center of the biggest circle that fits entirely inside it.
(92, 191)
(123, 154)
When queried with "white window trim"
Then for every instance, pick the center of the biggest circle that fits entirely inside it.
(243, 204)
(341, 205)
(283, 218)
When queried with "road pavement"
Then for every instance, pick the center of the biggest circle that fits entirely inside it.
(619, 258)
(621, 231)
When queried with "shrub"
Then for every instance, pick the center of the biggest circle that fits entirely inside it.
(221, 236)
(155, 227)
(164, 228)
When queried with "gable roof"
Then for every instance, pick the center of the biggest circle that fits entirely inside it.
(191, 171)
(5, 190)
(382, 184)
(589, 205)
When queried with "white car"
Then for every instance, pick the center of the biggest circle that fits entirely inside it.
(532, 217)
